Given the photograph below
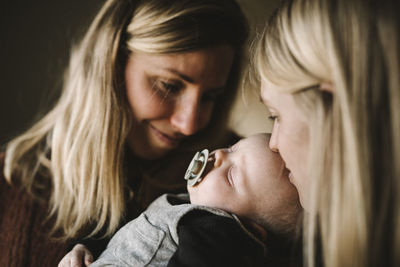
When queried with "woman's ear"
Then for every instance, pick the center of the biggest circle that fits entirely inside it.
(327, 87)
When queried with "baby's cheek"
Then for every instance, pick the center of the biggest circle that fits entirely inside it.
(195, 195)
(191, 194)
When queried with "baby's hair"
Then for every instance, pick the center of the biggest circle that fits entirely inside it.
(285, 220)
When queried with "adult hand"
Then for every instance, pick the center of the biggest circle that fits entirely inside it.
(79, 256)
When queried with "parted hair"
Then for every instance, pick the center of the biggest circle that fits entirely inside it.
(354, 45)
(77, 148)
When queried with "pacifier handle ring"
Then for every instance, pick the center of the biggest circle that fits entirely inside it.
(191, 176)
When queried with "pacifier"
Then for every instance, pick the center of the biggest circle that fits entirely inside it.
(196, 168)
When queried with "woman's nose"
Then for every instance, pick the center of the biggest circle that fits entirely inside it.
(185, 116)
(273, 141)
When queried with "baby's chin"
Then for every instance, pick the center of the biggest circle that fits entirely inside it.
(195, 200)
(192, 194)
(196, 189)
(197, 196)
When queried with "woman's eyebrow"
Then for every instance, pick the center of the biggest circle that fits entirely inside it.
(181, 75)
(188, 79)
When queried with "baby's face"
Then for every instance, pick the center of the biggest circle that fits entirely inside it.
(247, 179)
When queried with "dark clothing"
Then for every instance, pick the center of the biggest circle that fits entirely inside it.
(208, 240)
(24, 239)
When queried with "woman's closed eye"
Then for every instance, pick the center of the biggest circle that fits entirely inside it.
(167, 88)
(272, 118)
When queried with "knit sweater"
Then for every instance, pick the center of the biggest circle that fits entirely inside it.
(24, 239)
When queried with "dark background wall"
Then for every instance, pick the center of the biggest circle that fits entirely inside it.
(36, 37)
(34, 47)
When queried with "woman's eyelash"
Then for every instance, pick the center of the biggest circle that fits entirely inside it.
(272, 117)
(165, 89)
(170, 87)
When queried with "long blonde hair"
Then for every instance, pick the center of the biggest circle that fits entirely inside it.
(78, 147)
(354, 214)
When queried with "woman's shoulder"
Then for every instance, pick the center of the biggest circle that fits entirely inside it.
(12, 194)
(24, 231)
(13, 204)
(9, 193)
(6, 186)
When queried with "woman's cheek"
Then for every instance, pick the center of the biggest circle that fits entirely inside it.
(301, 187)
(205, 115)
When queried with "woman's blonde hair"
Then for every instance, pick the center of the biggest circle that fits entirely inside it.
(77, 149)
(354, 214)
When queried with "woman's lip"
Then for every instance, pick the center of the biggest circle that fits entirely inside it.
(284, 172)
(172, 141)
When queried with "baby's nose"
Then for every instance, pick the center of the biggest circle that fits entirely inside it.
(218, 157)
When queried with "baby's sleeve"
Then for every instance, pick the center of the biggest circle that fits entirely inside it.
(135, 244)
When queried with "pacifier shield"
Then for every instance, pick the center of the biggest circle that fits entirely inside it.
(196, 167)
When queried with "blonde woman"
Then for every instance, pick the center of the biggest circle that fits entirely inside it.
(150, 82)
(330, 78)
(329, 72)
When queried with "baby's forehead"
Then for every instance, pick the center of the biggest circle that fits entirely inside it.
(257, 148)
(261, 139)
